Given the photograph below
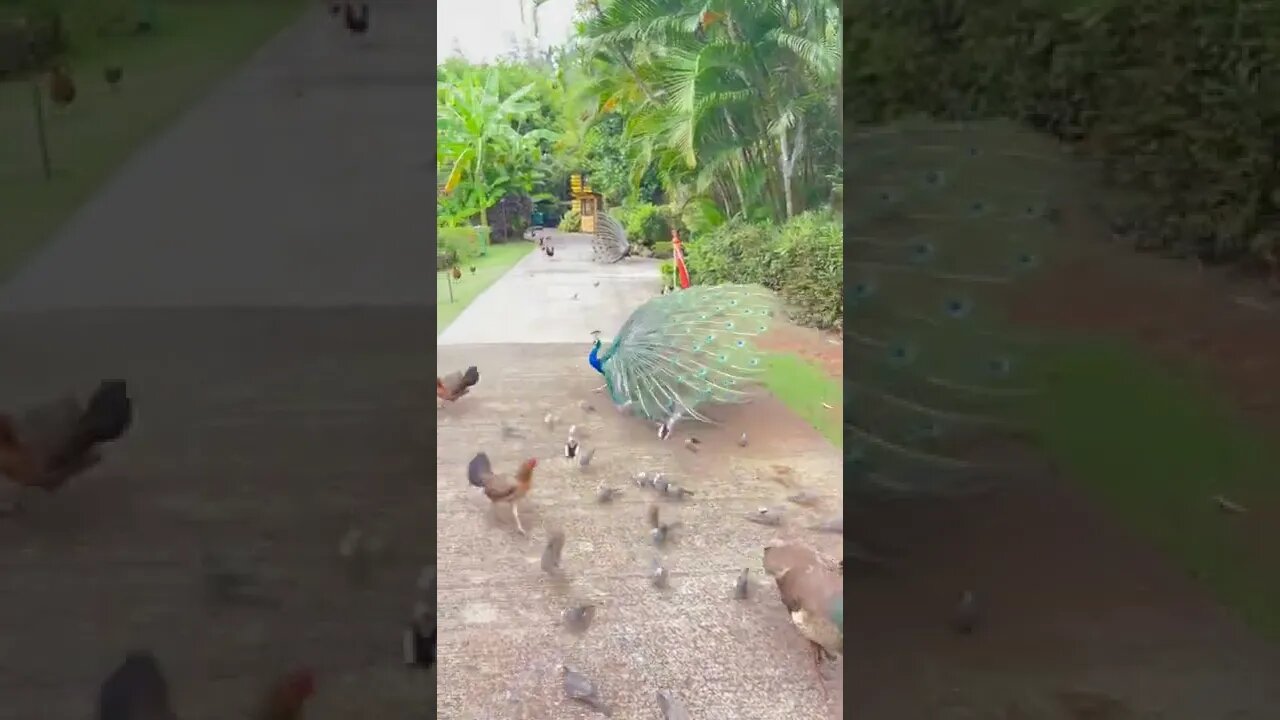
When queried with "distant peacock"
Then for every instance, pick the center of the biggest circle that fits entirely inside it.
(941, 220)
(684, 350)
(610, 243)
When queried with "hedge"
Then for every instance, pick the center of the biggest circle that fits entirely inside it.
(803, 261)
(1179, 98)
(458, 245)
(645, 224)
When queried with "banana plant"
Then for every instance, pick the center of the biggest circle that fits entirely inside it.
(477, 139)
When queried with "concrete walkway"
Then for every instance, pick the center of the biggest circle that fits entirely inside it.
(558, 299)
(261, 275)
(499, 640)
(259, 197)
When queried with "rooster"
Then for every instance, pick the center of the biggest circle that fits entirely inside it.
(59, 440)
(456, 384)
(456, 272)
(137, 690)
(285, 698)
(499, 489)
(356, 24)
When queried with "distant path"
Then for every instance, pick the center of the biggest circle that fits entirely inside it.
(220, 272)
(499, 642)
(258, 197)
(556, 299)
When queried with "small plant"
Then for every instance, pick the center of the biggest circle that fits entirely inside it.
(571, 222)
(667, 271)
(460, 245)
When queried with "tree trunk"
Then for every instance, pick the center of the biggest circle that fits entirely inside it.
(788, 155)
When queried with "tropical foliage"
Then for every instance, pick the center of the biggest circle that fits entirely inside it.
(486, 148)
(732, 101)
(682, 114)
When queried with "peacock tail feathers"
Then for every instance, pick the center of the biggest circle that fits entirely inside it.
(686, 349)
(610, 243)
(942, 221)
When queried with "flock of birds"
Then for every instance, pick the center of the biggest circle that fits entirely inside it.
(810, 583)
(46, 446)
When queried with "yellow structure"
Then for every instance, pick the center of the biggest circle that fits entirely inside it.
(585, 202)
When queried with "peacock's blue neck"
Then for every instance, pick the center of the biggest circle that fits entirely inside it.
(594, 358)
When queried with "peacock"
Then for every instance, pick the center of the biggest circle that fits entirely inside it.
(942, 220)
(682, 351)
(610, 243)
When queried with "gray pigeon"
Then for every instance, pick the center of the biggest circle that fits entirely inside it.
(584, 458)
(605, 495)
(578, 618)
(742, 588)
(551, 553)
(659, 575)
(805, 498)
(578, 687)
(835, 526)
(672, 709)
(766, 516)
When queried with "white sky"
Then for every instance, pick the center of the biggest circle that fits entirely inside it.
(487, 29)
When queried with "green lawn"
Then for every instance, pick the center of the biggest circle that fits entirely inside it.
(1155, 448)
(194, 45)
(803, 386)
(489, 268)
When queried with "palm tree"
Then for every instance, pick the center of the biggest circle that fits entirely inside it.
(735, 97)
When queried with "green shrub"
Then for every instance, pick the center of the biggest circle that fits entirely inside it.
(645, 224)
(812, 250)
(736, 252)
(1176, 97)
(667, 270)
(571, 222)
(803, 261)
(662, 249)
(460, 244)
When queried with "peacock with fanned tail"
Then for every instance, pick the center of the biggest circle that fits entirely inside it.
(610, 243)
(941, 221)
(683, 351)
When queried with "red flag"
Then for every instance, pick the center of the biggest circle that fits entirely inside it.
(682, 271)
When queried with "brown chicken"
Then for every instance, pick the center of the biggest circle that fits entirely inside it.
(500, 489)
(137, 690)
(286, 697)
(811, 587)
(62, 89)
(456, 384)
(456, 272)
(58, 441)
